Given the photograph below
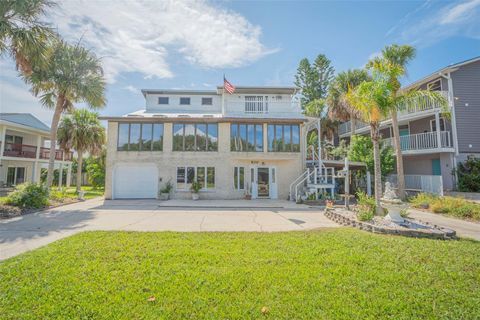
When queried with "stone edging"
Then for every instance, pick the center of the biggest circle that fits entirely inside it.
(434, 233)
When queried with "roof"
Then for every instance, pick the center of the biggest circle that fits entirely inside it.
(174, 91)
(25, 119)
(238, 89)
(447, 69)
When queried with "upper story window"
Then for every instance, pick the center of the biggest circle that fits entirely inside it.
(185, 101)
(433, 124)
(246, 137)
(13, 139)
(283, 138)
(435, 85)
(207, 101)
(195, 137)
(256, 104)
(162, 100)
(140, 137)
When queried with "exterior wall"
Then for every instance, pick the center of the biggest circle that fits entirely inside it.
(466, 85)
(422, 165)
(175, 107)
(288, 165)
(28, 165)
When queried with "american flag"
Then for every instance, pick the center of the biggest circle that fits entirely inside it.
(228, 86)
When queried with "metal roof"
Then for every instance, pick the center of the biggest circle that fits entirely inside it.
(25, 119)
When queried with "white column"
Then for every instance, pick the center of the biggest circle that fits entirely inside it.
(2, 139)
(60, 174)
(437, 123)
(35, 164)
(319, 128)
(69, 174)
(369, 183)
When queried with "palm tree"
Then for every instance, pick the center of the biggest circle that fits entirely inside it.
(371, 101)
(338, 106)
(73, 74)
(23, 35)
(81, 130)
(391, 65)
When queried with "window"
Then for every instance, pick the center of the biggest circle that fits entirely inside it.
(433, 125)
(140, 137)
(207, 101)
(204, 175)
(162, 100)
(195, 137)
(246, 137)
(283, 138)
(184, 100)
(13, 139)
(435, 86)
(239, 178)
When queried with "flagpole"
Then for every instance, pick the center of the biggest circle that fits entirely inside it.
(223, 96)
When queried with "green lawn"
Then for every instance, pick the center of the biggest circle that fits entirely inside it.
(90, 192)
(328, 274)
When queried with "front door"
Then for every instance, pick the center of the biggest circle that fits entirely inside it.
(263, 182)
(436, 168)
(404, 141)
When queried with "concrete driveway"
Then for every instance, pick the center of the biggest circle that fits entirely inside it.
(31, 231)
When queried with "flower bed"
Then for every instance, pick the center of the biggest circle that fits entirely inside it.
(411, 228)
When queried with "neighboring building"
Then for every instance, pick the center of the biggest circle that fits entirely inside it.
(248, 142)
(432, 145)
(24, 149)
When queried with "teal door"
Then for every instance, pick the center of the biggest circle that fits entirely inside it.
(436, 169)
(404, 142)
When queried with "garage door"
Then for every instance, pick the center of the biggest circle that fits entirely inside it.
(135, 181)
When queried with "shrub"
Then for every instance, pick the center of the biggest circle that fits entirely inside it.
(366, 207)
(28, 195)
(196, 186)
(58, 195)
(168, 188)
(468, 174)
(452, 206)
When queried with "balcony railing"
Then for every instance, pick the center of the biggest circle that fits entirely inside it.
(18, 150)
(422, 141)
(417, 106)
(262, 107)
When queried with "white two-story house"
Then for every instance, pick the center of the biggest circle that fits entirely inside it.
(248, 142)
(25, 150)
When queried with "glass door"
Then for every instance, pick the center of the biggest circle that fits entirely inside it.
(15, 176)
(263, 179)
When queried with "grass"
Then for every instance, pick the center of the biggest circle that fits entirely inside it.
(452, 206)
(90, 192)
(332, 274)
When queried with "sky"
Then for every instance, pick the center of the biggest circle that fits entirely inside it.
(191, 45)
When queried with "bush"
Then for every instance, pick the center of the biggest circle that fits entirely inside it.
(452, 206)
(468, 174)
(28, 195)
(58, 195)
(366, 207)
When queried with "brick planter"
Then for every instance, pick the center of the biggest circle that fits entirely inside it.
(433, 232)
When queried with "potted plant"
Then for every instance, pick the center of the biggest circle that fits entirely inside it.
(165, 191)
(329, 202)
(195, 188)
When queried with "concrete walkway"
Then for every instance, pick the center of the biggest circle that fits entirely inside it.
(31, 231)
(464, 229)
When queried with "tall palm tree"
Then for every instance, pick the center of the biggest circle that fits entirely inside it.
(338, 106)
(371, 101)
(23, 35)
(391, 65)
(81, 130)
(73, 74)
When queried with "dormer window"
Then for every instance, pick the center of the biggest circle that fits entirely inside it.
(162, 100)
(207, 101)
(185, 101)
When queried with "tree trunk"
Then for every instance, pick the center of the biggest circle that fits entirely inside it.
(79, 169)
(53, 138)
(374, 133)
(398, 155)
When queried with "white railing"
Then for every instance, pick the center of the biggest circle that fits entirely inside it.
(421, 183)
(415, 106)
(422, 141)
(288, 108)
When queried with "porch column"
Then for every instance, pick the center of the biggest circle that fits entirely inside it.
(369, 183)
(37, 156)
(319, 129)
(437, 124)
(69, 175)
(2, 140)
(60, 175)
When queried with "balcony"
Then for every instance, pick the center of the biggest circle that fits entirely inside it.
(30, 152)
(422, 107)
(419, 142)
(262, 107)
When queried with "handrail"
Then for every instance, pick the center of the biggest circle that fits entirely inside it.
(302, 181)
(294, 181)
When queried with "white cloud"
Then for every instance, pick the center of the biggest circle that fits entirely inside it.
(131, 89)
(435, 21)
(142, 36)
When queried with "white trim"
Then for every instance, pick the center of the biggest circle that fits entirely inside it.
(236, 184)
(440, 120)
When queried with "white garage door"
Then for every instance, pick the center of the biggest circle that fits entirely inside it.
(135, 181)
